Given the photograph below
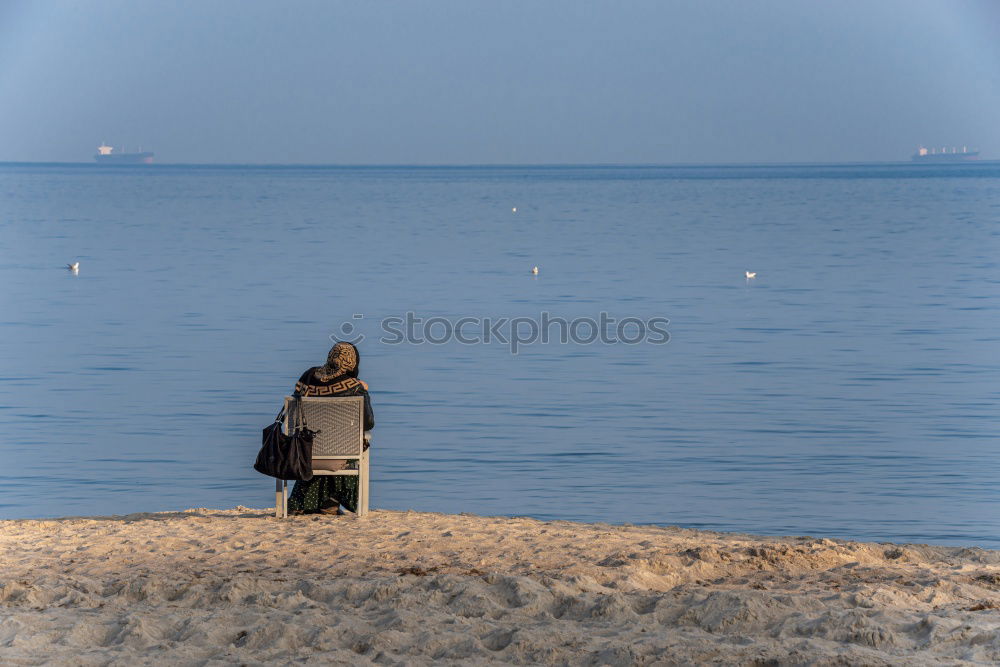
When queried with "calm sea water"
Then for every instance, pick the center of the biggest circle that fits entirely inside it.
(850, 390)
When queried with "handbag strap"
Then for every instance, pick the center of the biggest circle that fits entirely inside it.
(298, 415)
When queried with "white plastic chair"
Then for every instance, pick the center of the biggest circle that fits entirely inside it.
(339, 422)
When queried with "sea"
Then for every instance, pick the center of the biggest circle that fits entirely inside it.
(849, 390)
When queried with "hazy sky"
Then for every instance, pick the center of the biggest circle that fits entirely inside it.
(469, 81)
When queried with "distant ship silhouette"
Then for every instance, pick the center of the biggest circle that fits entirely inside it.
(931, 155)
(106, 155)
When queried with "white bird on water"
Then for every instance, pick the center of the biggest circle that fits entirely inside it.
(513, 210)
(74, 267)
(751, 275)
(534, 271)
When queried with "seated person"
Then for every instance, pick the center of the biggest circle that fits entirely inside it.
(325, 494)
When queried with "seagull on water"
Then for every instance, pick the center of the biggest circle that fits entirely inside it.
(74, 267)
(534, 271)
(513, 210)
(751, 275)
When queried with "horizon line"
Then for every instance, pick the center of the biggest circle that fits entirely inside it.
(460, 165)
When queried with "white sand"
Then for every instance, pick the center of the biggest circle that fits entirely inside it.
(216, 587)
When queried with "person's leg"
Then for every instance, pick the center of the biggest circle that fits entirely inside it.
(311, 496)
(345, 489)
(330, 504)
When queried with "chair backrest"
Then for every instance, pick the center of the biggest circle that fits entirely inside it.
(339, 421)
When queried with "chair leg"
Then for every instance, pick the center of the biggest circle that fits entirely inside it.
(284, 498)
(279, 507)
(364, 485)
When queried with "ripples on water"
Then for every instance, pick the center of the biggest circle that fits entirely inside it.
(850, 390)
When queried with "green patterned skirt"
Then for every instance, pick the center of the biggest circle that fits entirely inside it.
(323, 491)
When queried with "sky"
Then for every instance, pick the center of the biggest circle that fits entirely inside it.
(500, 82)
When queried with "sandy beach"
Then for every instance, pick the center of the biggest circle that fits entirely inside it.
(238, 586)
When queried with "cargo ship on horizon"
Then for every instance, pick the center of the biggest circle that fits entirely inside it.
(931, 155)
(106, 155)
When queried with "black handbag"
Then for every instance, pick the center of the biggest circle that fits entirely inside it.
(287, 456)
